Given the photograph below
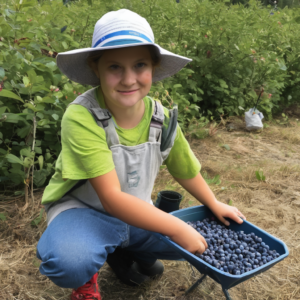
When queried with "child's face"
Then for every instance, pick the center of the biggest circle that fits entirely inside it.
(125, 75)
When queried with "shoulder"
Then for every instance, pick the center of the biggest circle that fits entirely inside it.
(150, 102)
(76, 113)
(77, 110)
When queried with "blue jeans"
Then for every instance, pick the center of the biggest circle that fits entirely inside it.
(76, 243)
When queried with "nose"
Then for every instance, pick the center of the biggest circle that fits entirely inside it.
(128, 77)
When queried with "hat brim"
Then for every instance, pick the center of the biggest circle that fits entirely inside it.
(74, 63)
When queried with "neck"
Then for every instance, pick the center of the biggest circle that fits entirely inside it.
(129, 117)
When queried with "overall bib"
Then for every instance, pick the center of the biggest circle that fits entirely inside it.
(80, 232)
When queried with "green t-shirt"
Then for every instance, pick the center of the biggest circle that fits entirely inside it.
(85, 153)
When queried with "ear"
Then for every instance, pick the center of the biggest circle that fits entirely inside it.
(94, 66)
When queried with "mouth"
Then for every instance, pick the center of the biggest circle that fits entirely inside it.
(127, 92)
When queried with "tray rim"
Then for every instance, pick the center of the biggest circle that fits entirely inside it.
(246, 274)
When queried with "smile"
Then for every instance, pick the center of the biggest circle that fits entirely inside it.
(127, 92)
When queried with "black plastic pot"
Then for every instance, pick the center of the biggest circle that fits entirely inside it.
(168, 201)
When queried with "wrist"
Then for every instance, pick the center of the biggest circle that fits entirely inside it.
(212, 204)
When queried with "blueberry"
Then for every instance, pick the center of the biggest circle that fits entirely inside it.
(226, 246)
(238, 251)
(230, 267)
(232, 251)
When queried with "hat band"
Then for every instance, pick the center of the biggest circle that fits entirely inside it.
(122, 33)
(121, 42)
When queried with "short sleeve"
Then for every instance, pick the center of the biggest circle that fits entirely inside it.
(85, 153)
(182, 162)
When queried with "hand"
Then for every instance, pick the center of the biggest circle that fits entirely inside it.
(190, 239)
(222, 211)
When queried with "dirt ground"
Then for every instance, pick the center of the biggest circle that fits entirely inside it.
(273, 205)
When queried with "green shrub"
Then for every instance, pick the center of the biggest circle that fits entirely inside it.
(236, 50)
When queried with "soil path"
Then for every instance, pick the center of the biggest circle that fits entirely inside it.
(273, 205)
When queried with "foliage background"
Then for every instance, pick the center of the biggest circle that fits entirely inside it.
(237, 50)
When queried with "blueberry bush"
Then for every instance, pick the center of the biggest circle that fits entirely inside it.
(236, 50)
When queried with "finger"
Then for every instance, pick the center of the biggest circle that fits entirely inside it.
(224, 221)
(236, 218)
(201, 249)
(242, 216)
(204, 242)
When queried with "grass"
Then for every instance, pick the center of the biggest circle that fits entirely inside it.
(273, 205)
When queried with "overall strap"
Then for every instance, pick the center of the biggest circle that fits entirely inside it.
(102, 116)
(156, 123)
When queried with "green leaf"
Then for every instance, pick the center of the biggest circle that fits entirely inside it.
(297, 20)
(28, 162)
(39, 177)
(230, 202)
(22, 132)
(41, 161)
(260, 176)
(26, 81)
(55, 117)
(2, 217)
(32, 76)
(38, 150)
(14, 159)
(48, 100)
(175, 86)
(2, 73)
(3, 110)
(1, 138)
(226, 147)
(27, 153)
(43, 122)
(17, 193)
(13, 118)
(9, 94)
(37, 220)
(64, 45)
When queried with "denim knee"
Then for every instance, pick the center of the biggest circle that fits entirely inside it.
(71, 267)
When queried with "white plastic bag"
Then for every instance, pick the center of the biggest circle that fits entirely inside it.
(253, 119)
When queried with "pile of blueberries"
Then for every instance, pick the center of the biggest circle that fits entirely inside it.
(231, 251)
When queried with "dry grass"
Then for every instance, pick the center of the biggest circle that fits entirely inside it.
(273, 205)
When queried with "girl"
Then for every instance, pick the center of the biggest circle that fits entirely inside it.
(100, 195)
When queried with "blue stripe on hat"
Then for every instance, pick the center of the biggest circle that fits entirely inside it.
(121, 42)
(123, 32)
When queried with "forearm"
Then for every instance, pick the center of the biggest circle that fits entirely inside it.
(198, 188)
(137, 212)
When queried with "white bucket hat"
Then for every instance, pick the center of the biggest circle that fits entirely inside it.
(118, 29)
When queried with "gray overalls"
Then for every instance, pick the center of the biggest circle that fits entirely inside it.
(136, 166)
(77, 241)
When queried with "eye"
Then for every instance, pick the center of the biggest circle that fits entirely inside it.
(140, 65)
(114, 67)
